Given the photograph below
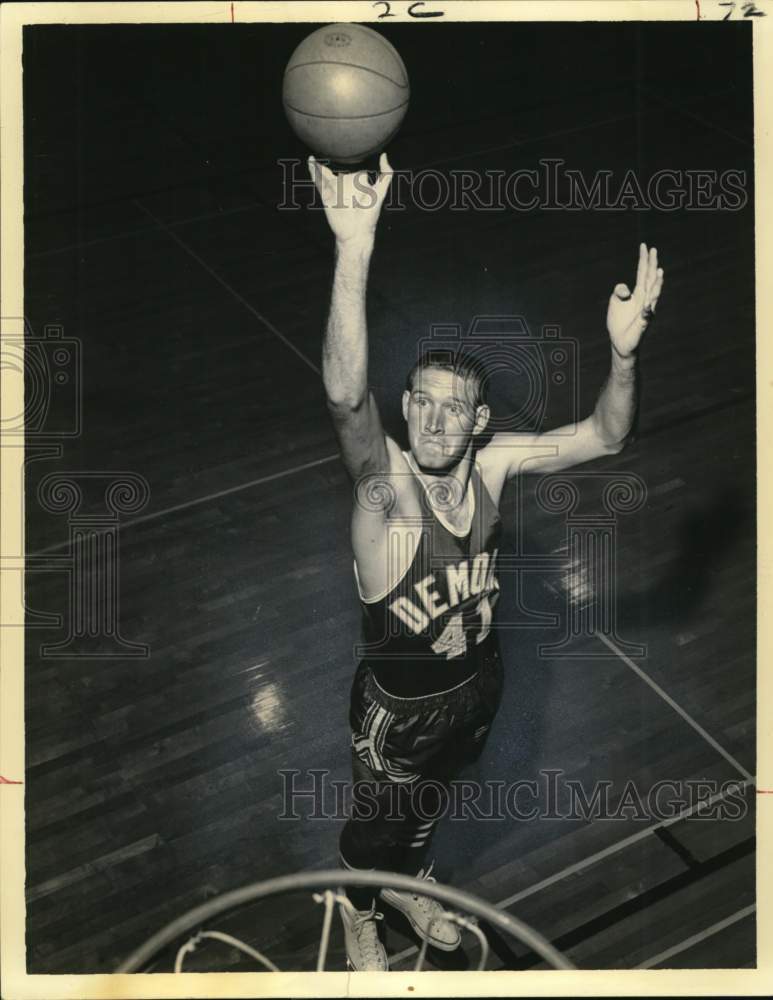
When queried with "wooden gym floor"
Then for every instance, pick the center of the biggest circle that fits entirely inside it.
(153, 235)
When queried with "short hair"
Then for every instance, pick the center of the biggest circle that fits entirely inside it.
(462, 363)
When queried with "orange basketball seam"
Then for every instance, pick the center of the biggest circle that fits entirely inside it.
(385, 44)
(329, 62)
(345, 118)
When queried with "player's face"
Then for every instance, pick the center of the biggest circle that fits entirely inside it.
(441, 417)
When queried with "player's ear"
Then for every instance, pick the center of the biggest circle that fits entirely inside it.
(482, 416)
(406, 397)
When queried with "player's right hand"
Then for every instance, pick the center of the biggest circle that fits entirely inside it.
(352, 203)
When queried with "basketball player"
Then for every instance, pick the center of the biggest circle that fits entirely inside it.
(425, 532)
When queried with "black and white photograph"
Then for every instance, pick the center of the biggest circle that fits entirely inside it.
(381, 505)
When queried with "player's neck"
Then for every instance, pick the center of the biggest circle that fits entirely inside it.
(448, 493)
(459, 472)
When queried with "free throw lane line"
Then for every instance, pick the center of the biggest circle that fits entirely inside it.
(708, 932)
(229, 288)
(676, 707)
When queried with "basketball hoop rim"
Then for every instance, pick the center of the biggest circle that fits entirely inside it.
(454, 899)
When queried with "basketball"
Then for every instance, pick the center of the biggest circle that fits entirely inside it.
(345, 92)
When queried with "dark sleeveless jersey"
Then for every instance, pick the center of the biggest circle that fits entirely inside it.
(432, 629)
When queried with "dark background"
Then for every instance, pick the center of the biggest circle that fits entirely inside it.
(152, 235)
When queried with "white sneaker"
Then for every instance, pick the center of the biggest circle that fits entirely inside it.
(364, 950)
(425, 915)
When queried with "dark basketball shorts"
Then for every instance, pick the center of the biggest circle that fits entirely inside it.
(431, 737)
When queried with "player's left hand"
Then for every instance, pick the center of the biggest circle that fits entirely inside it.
(630, 311)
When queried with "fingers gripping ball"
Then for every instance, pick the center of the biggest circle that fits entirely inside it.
(345, 92)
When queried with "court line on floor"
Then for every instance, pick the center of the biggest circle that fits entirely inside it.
(707, 932)
(229, 288)
(146, 230)
(676, 707)
(688, 113)
(620, 845)
(205, 499)
(605, 852)
(329, 458)
(250, 207)
(517, 143)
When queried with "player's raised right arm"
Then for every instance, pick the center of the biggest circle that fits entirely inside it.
(352, 206)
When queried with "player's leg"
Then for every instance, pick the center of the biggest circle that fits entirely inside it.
(392, 738)
(365, 844)
(452, 738)
(368, 840)
(459, 729)
(424, 807)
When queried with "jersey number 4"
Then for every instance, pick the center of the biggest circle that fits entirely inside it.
(453, 639)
